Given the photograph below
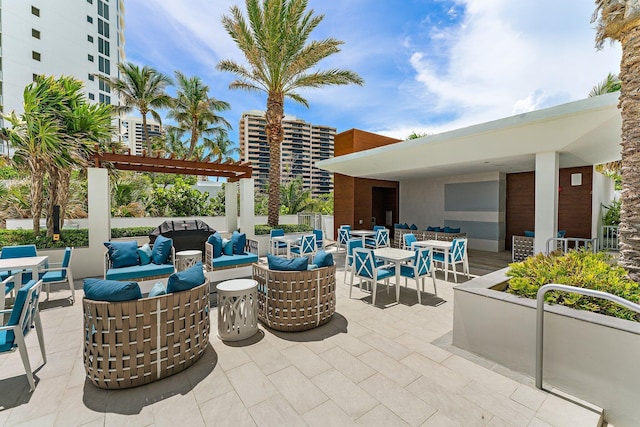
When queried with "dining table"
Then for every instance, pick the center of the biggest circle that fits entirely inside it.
(289, 240)
(438, 245)
(396, 256)
(363, 234)
(16, 265)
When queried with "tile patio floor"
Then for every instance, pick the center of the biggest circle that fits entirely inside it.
(370, 366)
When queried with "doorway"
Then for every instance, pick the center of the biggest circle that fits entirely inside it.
(384, 206)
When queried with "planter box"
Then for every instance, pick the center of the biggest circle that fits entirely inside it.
(588, 355)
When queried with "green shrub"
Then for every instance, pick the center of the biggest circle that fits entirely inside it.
(74, 238)
(263, 229)
(117, 233)
(583, 269)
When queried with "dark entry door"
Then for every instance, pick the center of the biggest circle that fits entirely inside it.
(383, 206)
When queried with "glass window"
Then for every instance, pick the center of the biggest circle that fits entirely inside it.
(103, 28)
(104, 65)
(35, 55)
(103, 9)
(92, 96)
(103, 46)
(35, 33)
(90, 58)
(105, 99)
(89, 19)
(104, 86)
(90, 38)
(35, 11)
(91, 77)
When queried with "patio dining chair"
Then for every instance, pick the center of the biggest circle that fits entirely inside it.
(319, 239)
(276, 247)
(381, 239)
(24, 317)
(307, 247)
(59, 273)
(7, 286)
(418, 270)
(18, 251)
(365, 268)
(343, 237)
(408, 239)
(457, 255)
(348, 259)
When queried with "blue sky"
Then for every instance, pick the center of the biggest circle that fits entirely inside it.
(428, 65)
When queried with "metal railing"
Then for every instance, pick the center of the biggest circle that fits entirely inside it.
(565, 243)
(314, 220)
(610, 240)
(540, 315)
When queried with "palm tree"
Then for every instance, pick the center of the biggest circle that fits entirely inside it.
(142, 89)
(619, 20)
(221, 148)
(281, 61)
(294, 197)
(610, 84)
(195, 111)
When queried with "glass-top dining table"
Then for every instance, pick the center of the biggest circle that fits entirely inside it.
(363, 234)
(396, 256)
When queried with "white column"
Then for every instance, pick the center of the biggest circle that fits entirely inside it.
(247, 213)
(546, 207)
(99, 206)
(231, 205)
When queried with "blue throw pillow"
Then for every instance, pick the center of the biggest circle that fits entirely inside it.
(529, 234)
(111, 290)
(430, 228)
(312, 267)
(438, 229)
(405, 226)
(158, 289)
(161, 250)
(239, 240)
(323, 259)
(562, 233)
(413, 227)
(216, 241)
(227, 247)
(144, 253)
(277, 263)
(123, 254)
(187, 279)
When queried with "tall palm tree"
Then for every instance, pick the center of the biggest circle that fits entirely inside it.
(619, 20)
(281, 61)
(222, 148)
(196, 111)
(142, 89)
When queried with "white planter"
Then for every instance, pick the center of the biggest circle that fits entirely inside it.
(588, 355)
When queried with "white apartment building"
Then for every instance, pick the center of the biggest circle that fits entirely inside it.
(304, 144)
(80, 38)
(133, 135)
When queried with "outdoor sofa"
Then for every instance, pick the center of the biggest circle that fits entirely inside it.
(126, 261)
(221, 253)
(446, 235)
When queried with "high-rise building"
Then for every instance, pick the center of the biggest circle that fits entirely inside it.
(79, 38)
(304, 144)
(133, 134)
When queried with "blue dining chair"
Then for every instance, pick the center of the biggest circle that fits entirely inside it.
(457, 255)
(307, 247)
(7, 286)
(408, 240)
(348, 259)
(319, 239)
(381, 239)
(366, 268)
(343, 237)
(276, 247)
(418, 270)
(24, 317)
(60, 273)
(18, 251)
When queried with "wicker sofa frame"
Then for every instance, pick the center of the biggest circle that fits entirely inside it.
(398, 236)
(131, 343)
(293, 301)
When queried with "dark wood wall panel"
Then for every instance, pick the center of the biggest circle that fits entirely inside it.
(520, 209)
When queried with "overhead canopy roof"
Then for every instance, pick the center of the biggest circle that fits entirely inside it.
(584, 132)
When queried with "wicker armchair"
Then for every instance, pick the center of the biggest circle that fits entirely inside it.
(295, 301)
(131, 343)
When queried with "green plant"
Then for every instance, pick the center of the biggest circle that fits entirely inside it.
(263, 229)
(612, 216)
(117, 233)
(583, 269)
(73, 238)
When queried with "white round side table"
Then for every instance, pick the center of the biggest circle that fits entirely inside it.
(237, 309)
(186, 259)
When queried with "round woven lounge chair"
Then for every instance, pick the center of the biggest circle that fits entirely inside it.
(293, 301)
(131, 343)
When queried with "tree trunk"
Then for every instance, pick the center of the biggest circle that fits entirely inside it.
(37, 183)
(275, 136)
(146, 134)
(52, 191)
(630, 110)
(194, 137)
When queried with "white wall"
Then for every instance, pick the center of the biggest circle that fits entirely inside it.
(603, 193)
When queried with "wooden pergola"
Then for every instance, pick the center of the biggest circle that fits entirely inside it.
(231, 170)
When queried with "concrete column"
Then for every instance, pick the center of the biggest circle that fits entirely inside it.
(247, 215)
(546, 214)
(99, 206)
(231, 205)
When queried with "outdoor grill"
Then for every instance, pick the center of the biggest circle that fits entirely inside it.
(188, 234)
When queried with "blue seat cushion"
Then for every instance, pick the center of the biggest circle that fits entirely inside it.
(144, 253)
(216, 241)
(187, 279)
(239, 241)
(438, 256)
(139, 271)
(385, 273)
(123, 254)
(231, 260)
(6, 344)
(161, 250)
(323, 259)
(111, 290)
(277, 263)
(529, 234)
(54, 276)
(406, 271)
(448, 229)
